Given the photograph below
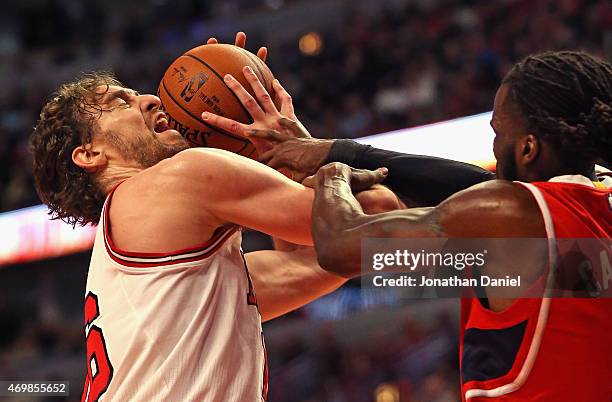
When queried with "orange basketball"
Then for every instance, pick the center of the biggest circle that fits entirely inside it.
(194, 83)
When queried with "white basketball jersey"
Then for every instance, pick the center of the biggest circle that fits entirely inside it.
(172, 327)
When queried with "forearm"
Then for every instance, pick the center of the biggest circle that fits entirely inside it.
(285, 281)
(339, 223)
(335, 215)
(339, 245)
(420, 180)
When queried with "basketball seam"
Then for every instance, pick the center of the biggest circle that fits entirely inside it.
(223, 81)
(245, 141)
(255, 60)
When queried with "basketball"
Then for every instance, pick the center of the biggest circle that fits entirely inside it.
(194, 84)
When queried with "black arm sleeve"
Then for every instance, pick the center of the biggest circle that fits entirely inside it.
(418, 180)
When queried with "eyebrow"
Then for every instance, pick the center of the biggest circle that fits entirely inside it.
(121, 93)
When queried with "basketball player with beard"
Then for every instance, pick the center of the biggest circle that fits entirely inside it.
(552, 119)
(171, 312)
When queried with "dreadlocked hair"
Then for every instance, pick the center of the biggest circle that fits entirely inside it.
(67, 122)
(566, 98)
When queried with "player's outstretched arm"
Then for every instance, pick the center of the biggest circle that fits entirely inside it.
(486, 210)
(222, 187)
(213, 188)
(283, 142)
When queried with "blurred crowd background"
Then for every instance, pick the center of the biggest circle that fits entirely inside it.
(354, 68)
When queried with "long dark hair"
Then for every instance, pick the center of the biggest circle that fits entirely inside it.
(566, 98)
(66, 122)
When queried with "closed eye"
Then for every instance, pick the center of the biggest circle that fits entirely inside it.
(117, 103)
(124, 97)
(124, 103)
(120, 98)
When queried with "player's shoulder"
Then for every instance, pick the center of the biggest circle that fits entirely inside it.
(188, 182)
(492, 193)
(495, 207)
(189, 167)
(203, 153)
(206, 175)
(196, 159)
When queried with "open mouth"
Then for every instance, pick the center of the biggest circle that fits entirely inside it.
(161, 124)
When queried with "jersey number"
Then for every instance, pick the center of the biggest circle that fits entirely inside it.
(99, 368)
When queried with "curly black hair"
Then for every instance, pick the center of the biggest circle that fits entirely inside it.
(566, 98)
(66, 122)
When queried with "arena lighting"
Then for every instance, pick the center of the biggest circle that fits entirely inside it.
(467, 139)
(311, 44)
(28, 234)
(387, 393)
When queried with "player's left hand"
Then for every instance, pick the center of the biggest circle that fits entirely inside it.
(262, 53)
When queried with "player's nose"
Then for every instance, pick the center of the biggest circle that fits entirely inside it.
(149, 103)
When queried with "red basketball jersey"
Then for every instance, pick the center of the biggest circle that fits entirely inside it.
(547, 349)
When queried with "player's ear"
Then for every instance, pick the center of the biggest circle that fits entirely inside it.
(530, 148)
(88, 157)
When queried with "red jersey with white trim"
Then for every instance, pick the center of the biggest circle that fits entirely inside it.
(547, 349)
(180, 326)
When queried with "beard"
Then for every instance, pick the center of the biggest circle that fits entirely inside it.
(145, 151)
(506, 167)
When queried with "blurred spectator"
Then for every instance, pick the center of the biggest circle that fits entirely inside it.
(422, 366)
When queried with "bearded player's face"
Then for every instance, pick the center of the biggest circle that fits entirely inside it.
(135, 126)
(508, 129)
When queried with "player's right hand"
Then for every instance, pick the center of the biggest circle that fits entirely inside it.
(271, 127)
(265, 114)
(281, 140)
(302, 156)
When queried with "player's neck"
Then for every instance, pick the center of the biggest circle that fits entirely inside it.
(551, 166)
(113, 175)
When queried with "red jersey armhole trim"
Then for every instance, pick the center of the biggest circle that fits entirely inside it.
(175, 256)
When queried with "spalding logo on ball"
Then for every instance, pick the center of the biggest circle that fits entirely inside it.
(194, 84)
